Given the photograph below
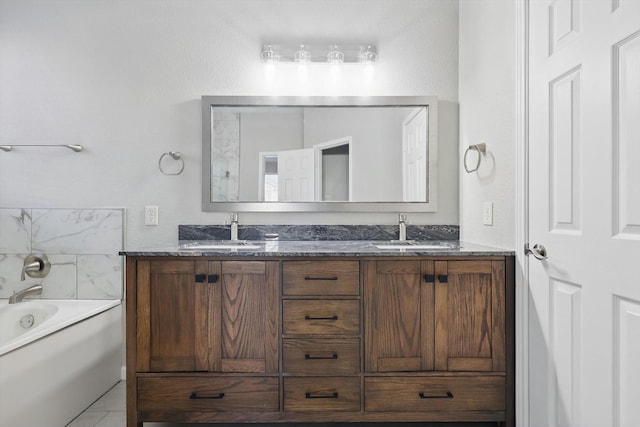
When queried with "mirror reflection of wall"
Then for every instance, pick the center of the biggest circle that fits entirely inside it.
(277, 156)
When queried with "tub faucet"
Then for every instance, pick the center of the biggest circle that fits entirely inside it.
(402, 227)
(234, 226)
(19, 296)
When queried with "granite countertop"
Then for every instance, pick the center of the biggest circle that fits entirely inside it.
(277, 248)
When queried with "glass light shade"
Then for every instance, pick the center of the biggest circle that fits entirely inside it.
(302, 55)
(369, 56)
(269, 56)
(335, 56)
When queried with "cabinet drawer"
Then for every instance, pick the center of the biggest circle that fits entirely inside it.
(402, 394)
(321, 317)
(301, 278)
(216, 394)
(312, 394)
(321, 356)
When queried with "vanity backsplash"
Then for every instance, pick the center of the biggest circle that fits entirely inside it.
(81, 244)
(318, 232)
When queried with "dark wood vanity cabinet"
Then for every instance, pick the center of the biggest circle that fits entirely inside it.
(320, 339)
(208, 316)
(442, 321)
(430, 315)
(204, 337)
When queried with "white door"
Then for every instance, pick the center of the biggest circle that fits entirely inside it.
(296, 175)
(584, 207)
(414, 157)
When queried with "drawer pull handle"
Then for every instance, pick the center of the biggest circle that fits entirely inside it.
(321, 396)
(320, 278)
(334, 317)
(195, 396)
(334, 356)
(449, 395)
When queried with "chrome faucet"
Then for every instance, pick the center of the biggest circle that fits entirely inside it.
(234, 226)
(35, 266)
(19, 296)
(402, 226)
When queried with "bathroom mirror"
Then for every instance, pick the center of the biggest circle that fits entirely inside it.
(331, 154)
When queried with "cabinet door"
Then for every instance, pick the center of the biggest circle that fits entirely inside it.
(171, 317)
(244, 315)
(398, 315)
(470, 316)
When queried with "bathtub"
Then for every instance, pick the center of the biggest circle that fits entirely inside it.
(56, 358)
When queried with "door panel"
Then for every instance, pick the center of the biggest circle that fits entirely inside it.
(414, 157)
(584, 207)
(296, 175)
(470, 316)
(398, 316)
(244, 314)
(626, 134)
(171, 317)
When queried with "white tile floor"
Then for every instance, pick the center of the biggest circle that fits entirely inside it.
(108, 411)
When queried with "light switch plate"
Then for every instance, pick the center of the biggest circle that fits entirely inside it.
(487, 213)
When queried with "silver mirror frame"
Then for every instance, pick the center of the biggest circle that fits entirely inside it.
(208, 102)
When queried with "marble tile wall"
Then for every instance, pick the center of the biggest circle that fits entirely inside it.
(225, 154)
(81, 244)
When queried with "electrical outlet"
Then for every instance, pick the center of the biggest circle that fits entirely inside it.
(487, 213)
(150, 215)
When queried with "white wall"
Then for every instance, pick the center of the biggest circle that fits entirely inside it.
(376, 147)
(124, 78)
(280, 130)
(487, 94)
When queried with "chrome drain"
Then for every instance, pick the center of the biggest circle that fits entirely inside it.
(27, 321)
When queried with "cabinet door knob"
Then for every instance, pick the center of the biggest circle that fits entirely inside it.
(429, 278)
(443, 278)
(449, 395)
(212, 278)
(200, 278)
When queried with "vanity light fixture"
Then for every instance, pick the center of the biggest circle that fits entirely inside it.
(353, 53)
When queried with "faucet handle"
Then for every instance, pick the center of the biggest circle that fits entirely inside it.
(35, 266)
(402, 217)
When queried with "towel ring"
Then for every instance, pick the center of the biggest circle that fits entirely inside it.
(175, 155)
(481, 149)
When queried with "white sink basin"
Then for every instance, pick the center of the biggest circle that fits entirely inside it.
(220, 245)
